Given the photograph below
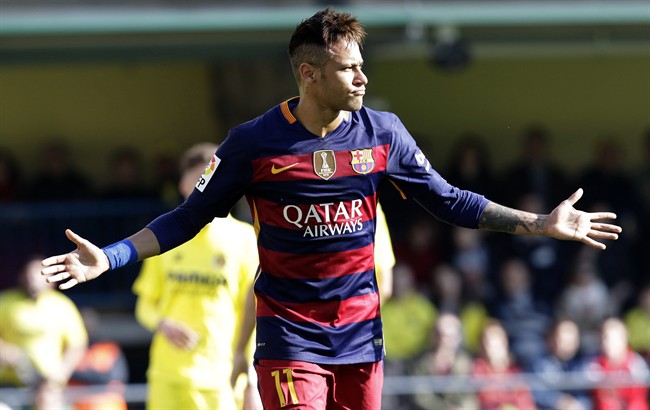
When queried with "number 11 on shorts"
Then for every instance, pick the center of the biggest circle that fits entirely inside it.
(278, 386)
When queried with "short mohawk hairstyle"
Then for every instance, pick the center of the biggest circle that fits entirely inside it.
(323, 29)
(327, 27)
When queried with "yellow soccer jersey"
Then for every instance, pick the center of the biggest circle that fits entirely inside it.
(43, 328)
(202, 283)
(384, 256)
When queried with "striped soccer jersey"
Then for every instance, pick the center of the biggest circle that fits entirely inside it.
(313, 202)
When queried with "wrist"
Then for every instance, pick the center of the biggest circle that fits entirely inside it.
(120, 254)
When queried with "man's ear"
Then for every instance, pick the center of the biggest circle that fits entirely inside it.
(307, 72)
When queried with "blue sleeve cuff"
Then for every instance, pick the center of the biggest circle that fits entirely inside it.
(121, 253)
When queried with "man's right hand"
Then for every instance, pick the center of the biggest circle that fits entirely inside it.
(178, 334)
(81, 265)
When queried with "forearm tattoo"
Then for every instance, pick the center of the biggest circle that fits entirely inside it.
(503, 219)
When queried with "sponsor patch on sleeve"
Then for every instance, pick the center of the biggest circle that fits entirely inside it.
(207, 173)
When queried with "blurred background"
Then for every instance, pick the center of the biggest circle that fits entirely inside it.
(523, 101)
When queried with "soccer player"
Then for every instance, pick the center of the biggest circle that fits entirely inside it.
(42, 337)
(193, 298)
(310, 169)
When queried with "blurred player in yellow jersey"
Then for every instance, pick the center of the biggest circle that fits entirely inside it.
(384, 256)
(193, 299)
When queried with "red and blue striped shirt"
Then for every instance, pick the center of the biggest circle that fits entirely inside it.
(313, 202)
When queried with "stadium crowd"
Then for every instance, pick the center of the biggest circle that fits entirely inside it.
(468, 302)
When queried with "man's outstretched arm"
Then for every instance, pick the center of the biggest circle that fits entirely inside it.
(89, 261)
(564, 222)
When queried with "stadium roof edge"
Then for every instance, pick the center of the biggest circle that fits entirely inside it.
(17, 22)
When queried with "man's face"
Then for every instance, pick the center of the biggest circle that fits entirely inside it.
(189, 178)
(31, 280)
(340, 84)
(566, 340)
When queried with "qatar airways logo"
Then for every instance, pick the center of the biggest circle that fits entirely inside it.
(328, 219)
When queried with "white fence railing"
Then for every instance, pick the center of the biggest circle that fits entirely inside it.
(18, 398)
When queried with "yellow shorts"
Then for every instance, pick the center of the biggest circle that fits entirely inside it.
(163, 395)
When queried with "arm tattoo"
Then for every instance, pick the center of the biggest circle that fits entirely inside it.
(503, 219)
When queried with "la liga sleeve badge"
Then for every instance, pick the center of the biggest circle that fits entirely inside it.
(208, 173)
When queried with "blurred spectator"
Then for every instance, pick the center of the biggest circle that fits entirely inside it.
(495, 370)
(643, 176)
(407, 312)
(420, 249)
(637, 322)
(606, 182)
(617, 363)
(545, 257)
(126, 173)
(642, 248)
(104, 364)
(447, 295)
(585, 300)
(525, 318)
(10, 177)
(166, 176)
(469, 165)
(472, 258)
(42, 337)
(57, 178)
(608, 186)
(614, 271)
(535, 172)
(445, 357)
(562, 359)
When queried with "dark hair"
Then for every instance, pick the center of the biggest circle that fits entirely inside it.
(313, 37)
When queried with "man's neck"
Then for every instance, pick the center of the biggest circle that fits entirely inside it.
(318, 121)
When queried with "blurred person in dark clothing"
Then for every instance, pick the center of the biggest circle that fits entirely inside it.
(586, 301)
(610, 186)
(420, 249)
(57, 178)
(547, 260)
(10, 177)
(469, 165)
(525, 318)
(535, 171)
(448, 295)
(562, 359)
(607, 182)
(642, 247)
(126, 173)
(472, 257)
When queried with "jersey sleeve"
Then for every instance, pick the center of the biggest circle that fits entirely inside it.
(225, 180)
(411, 173)
(148, 287)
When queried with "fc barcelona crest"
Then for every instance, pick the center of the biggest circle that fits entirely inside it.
(324, 163)
(362, 160)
